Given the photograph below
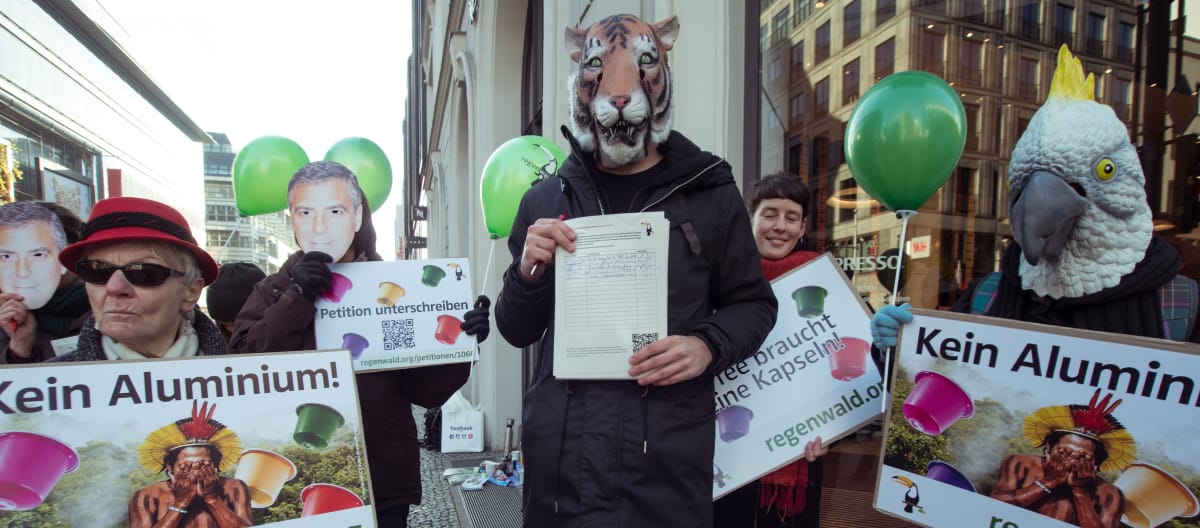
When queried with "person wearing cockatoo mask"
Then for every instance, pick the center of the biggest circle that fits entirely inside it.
(1084, 254)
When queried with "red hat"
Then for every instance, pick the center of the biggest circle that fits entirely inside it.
(126, 218)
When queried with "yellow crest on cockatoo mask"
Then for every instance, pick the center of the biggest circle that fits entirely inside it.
(1069, 81)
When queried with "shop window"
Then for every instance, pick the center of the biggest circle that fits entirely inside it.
(973, 11)
(971, 62)
(797, 61)
(1064, 25)
(933, 52)
(850, 82)
(851, 22)
(1121, 97)
(796, 109)
(1029, 19)
(1095, 34)
(885, 58)
(822, 51)
(972, 111)
(1125, 42)
(932, 6)
(822, 97)
(1027, 78)
(884, 11)
(780, 25)
(802, 9)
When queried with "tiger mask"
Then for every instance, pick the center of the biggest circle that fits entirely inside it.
(621, 94)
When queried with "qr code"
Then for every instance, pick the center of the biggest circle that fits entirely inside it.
(641, 340)
(398, 334)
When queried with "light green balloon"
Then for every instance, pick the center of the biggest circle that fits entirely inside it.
(261, 172)
(509, 172)
(368, 162)
(904, 138)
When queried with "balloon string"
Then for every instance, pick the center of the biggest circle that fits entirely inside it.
(488, 271)
(904, 215)
(891, 351)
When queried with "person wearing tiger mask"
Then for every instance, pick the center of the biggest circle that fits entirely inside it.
(637, 452)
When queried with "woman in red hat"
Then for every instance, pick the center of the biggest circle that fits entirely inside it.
(144, 274)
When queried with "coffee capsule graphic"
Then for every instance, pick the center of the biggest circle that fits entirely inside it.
(355, 343)
(389, 293)
(810, 301)
(338, 286)
(431, 275)
(734, 422)
(1153, 496)
(315, 425)
(935, 403)
(30, 466)
(944, 472)
(265, 473)
(448, 329)
(850, 360)
(325, 498)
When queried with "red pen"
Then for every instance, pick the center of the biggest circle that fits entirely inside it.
(533, 270)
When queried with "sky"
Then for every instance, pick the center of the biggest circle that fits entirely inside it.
(314, 72)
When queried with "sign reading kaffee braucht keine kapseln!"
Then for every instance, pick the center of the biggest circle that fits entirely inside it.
(398, 314)
(813, 376)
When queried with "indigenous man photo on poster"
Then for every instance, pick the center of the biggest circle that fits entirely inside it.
(225, 441)
(1002, 423)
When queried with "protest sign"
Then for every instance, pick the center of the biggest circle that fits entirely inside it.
(274, 439)
(398, 314)
(813, 376)
(1006, 424)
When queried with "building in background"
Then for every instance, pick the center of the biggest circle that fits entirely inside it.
(265, 240)
(81, 120)
(819, 57)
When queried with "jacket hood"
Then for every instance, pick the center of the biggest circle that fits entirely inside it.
(683, 158)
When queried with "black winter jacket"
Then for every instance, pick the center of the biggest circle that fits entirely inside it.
(613, 453)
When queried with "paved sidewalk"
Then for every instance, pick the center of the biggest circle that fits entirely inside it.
(437, 508)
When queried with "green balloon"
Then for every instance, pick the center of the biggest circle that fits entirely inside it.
(904, 138)
(261, 172)
(509, 172)
(368, 162)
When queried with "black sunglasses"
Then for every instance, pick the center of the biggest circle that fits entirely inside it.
(137, 273)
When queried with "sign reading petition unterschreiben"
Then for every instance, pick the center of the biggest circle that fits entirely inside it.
(398, 314)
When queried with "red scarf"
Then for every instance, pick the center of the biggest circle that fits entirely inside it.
(784, 489)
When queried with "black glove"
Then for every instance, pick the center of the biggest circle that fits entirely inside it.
(475, 322)
(312, 275)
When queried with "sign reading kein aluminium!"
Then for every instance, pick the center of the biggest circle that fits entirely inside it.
(398, 314)
(1005, 424)
(813, 376)
(245, 440)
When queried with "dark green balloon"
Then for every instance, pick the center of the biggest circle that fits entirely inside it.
(261, 172)
(905, 137)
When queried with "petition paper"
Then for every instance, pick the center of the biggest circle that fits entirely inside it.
(610, 295)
